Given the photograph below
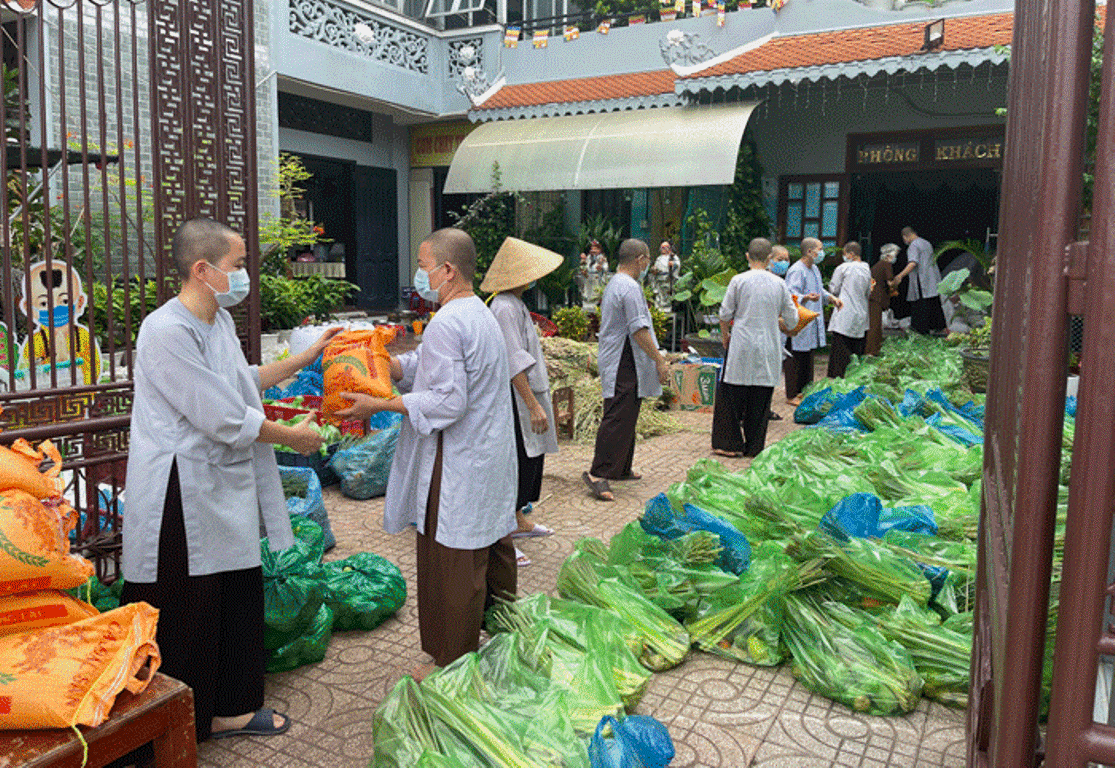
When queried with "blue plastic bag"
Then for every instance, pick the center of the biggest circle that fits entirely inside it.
(959, 434)
(365, 465)
(1070, 405)
(306, 382)
(863, 516)
(840, 416)
(637, 742)
(312, 505)
(660, 519)
(816, 406)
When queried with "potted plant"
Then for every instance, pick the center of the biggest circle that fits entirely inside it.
(704, 279)
(975, 345)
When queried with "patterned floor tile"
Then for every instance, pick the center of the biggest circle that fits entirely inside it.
(720, 714)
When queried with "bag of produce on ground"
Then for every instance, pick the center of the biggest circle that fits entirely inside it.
(952, 562)
(35, 544)
(666, 641)
(364, 465)
(310, 534)
(302, 489)
(307, 649)
(871, 564)
(661, 519)
(293, 589)
(742, 621)
(634, 742)
(58, 677)
(406, 734)
(816, 405)
(587, 630)
(45, 608)
(363, 591)
(356, 361)
(862, 515)
(859, 668)
(941, 655)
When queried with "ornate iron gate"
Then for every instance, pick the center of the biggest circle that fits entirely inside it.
(122, 119)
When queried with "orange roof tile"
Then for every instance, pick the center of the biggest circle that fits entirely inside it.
(582, 89)
(864, 44)
(812, 49)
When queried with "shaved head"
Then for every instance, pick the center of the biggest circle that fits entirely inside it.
(456, 247)
(200, 239)
(631, 249)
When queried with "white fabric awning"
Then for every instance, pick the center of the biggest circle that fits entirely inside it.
(667, 147)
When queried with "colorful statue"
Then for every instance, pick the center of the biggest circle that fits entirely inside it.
(56, 327)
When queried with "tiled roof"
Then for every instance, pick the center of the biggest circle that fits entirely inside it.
(848, 45)
(582, 89)
(816, 49)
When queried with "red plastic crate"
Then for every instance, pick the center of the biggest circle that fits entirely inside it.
(281, 409)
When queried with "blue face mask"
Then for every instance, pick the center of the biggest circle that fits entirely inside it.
(63, 314)
(423, 287)
(779, 267)
(531, 284)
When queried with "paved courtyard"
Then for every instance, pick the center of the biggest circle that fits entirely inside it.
(720, 714)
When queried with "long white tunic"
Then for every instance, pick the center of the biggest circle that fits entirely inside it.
(623, 311)
(926, 276)
(802, 280)
(456, 383)
(524, 353)
(197, 402)
(852, 283)
(754, 301)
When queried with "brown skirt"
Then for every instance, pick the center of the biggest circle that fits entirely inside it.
(456, 585)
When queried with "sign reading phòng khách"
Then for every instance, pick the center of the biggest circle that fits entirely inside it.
(980, 148)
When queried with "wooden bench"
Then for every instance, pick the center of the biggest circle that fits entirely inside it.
(564, 415)
(163, 715)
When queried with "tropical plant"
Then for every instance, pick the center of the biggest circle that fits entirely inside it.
(746, 216)
(550, 233)
(278, 234)
(489, 220)
(976, 248)
(603, 230)
(130, 300)
(285, 302)
(705, 273)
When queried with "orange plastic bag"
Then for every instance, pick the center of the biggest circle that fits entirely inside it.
(805, 317)
(35, 545)
(45, 608)
(19, 468)
(356, 361)
(70, 675)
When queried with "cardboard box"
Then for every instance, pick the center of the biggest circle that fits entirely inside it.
(695, 384)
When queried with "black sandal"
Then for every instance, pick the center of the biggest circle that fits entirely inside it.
(598, 487)
(772, 416)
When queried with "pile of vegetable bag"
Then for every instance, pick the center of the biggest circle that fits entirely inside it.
(302, 490)
(304, 600)
(364, 464)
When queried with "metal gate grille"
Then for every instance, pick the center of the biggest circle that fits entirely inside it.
(122, 119)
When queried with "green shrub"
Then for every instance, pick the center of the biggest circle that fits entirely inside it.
(572, 323)
(284, 302)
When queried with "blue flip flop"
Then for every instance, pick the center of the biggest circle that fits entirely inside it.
(261, 724)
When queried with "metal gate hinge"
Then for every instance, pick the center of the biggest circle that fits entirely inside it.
(1076, 272)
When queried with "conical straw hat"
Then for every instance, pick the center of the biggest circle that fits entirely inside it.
(517, 263)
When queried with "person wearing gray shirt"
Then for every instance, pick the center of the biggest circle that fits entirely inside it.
(848, 327)
(926, 315)
(630, 365)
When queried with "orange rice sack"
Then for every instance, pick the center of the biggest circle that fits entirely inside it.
(805, 317)
(69, 675)
(35, 545)
(356, 361)
(45, 608)
(19, 468)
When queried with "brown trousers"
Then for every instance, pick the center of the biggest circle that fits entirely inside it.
(456, 585)
(874, 328)
(615, 438)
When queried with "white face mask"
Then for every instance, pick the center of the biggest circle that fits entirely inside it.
(425, 290)
(239, 285)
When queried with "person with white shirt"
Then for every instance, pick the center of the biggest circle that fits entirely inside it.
(754, 303)
(848, 325)
(454, 474)
(202, 480)
(803, 278)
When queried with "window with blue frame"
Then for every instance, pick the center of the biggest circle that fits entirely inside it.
(811, 206)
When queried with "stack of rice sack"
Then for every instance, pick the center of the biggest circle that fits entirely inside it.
(61, 662)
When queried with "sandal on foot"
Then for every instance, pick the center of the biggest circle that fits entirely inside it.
(537, 530)
(598, 487)
(261, 724)
(774, 416)
(521, 559)
(630, 476)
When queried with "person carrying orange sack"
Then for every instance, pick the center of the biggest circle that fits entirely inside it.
(356, 361)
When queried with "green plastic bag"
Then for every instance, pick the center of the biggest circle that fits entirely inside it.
(307, 649)
(363, 590)
(857, 667)
(293, 590)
